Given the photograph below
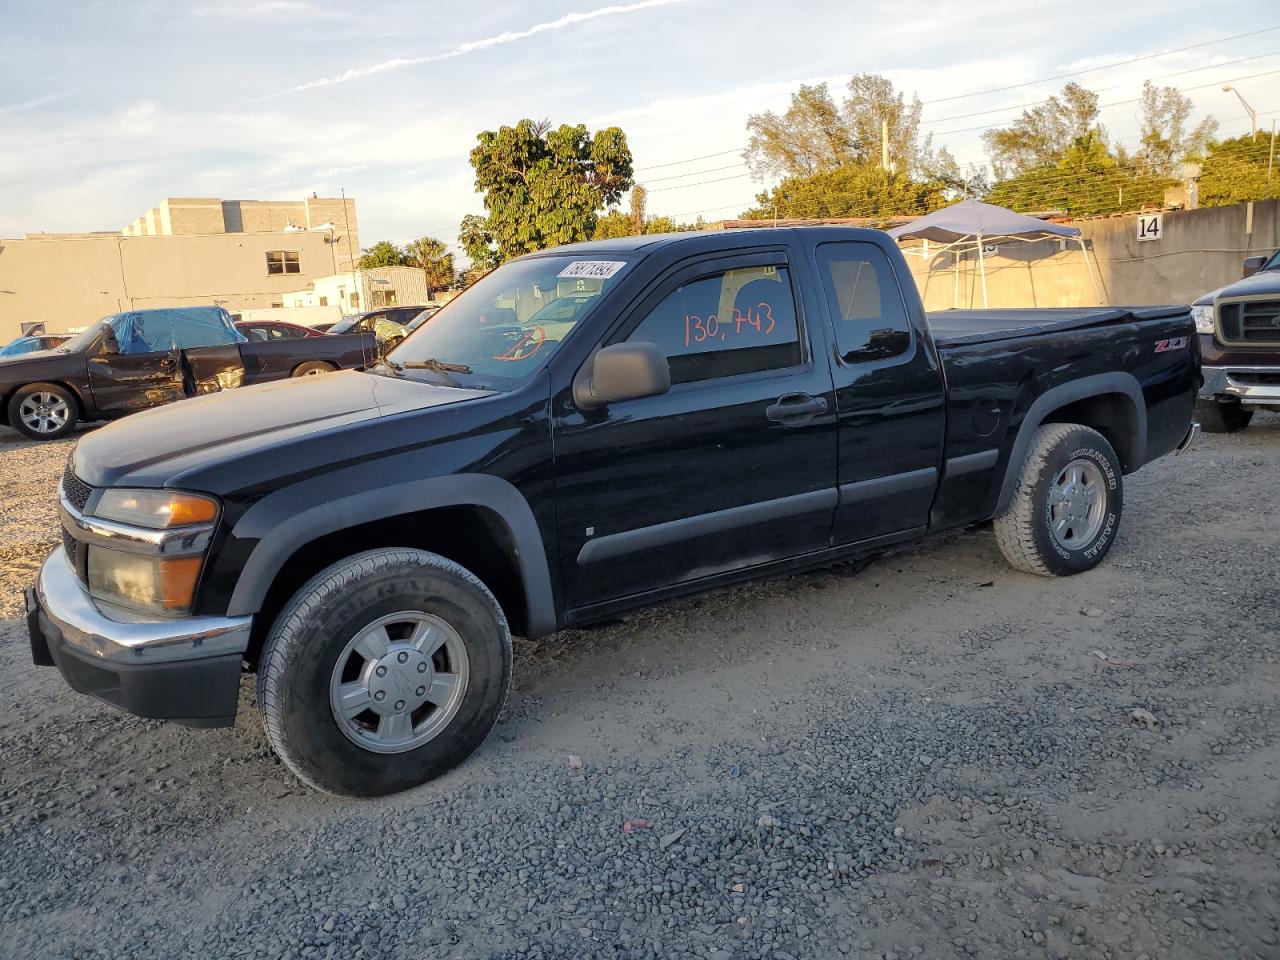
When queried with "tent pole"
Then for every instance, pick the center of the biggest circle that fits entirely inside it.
(1097, 290)
(955, 286)
(982, 268)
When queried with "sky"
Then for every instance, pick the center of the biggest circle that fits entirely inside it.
(107, 107)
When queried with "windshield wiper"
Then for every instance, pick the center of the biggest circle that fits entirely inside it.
(431, 363)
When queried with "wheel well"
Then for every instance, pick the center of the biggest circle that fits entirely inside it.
(474, 537)
(1113, 416)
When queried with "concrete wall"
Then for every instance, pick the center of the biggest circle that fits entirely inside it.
(69, 282)
(1200, 250)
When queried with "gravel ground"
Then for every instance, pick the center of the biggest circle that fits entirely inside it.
(935, 757)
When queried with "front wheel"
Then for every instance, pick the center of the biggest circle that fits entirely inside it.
(1066, 507)
(384, 671)
(1223, 416)
(43, 411)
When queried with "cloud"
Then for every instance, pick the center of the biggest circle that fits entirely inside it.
(36, 102)
(270, 10)
(472, 46)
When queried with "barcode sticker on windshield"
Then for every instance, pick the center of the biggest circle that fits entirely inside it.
(592, 269)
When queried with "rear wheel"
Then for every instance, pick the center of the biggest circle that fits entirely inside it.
(1066, 507)
(384, 671)
(312, 368)
(1223, 416)
(43, 411)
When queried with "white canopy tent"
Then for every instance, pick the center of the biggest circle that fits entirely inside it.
(971, 225)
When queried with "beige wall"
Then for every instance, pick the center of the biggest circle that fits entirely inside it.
(70, 282)
(408, 284)
(1200, 250)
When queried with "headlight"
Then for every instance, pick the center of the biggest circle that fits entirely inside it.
(144, 573)
(1203, 316)
(153, 584)
(156, 509)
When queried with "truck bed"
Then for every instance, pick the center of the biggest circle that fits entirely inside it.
(956, 327)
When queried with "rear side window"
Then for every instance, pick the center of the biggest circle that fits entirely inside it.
(728, 323)
(864, 301)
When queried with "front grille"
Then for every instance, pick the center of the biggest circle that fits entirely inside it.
(74, 489)
(70, 544)
(1250, 321)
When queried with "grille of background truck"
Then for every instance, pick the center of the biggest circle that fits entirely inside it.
(1249, 321)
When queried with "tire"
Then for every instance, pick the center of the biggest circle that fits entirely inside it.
(312, 368)
(1085, 514)
(306, 671)
(1223, 416)
(44, 411)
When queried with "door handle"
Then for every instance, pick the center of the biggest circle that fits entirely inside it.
(793, 408)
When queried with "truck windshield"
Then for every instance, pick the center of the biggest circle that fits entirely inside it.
(506, 327)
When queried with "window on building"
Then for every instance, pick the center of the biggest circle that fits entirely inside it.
(736, 321)
(324, 301)
(355, 301)
(866, 306)
(283, 261)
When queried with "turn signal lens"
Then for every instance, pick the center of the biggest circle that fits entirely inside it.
(157, 509)
(143, 583)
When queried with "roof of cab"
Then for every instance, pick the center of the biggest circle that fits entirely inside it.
(713, 239)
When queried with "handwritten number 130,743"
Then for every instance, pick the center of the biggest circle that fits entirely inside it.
(758, 318)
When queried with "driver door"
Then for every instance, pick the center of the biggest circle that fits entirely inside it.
(145, 371)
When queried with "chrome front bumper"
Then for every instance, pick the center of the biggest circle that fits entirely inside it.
(116, 636)
(1226, 382)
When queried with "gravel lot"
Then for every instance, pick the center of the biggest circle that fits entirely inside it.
(935, 757)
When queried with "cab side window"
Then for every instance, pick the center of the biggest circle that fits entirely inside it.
(864, 302)
(728, 323)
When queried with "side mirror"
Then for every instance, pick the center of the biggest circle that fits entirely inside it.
(624, 371)
(110, 345)
(1253, 264)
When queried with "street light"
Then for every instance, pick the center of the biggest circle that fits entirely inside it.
(1253, 114)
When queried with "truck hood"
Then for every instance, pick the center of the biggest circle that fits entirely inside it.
(147, 448)
(1268, 281)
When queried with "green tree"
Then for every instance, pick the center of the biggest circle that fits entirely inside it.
(1235, 171)
(545, 186)
(815, 134)
(477, 243)
(384, 253)
(435, 260)
(1086, 179)
(853, 190)
(1166, 141)
(1041, 136)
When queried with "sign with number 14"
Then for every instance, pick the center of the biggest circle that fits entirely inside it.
(1151, 226)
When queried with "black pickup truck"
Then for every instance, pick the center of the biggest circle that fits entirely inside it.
(585, 431)
(1239, 328)
(145, 358)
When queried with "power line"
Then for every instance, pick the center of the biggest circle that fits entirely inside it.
(696, 173)
(705, 156)
(1038, 103)
(1109, 66)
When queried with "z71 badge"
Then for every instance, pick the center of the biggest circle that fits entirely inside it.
(1175, 343)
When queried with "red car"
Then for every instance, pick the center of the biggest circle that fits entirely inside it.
(268, 331)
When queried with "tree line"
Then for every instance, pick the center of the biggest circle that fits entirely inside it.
(862, 155)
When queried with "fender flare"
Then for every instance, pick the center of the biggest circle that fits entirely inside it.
(1117, 382)
(289, 519)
